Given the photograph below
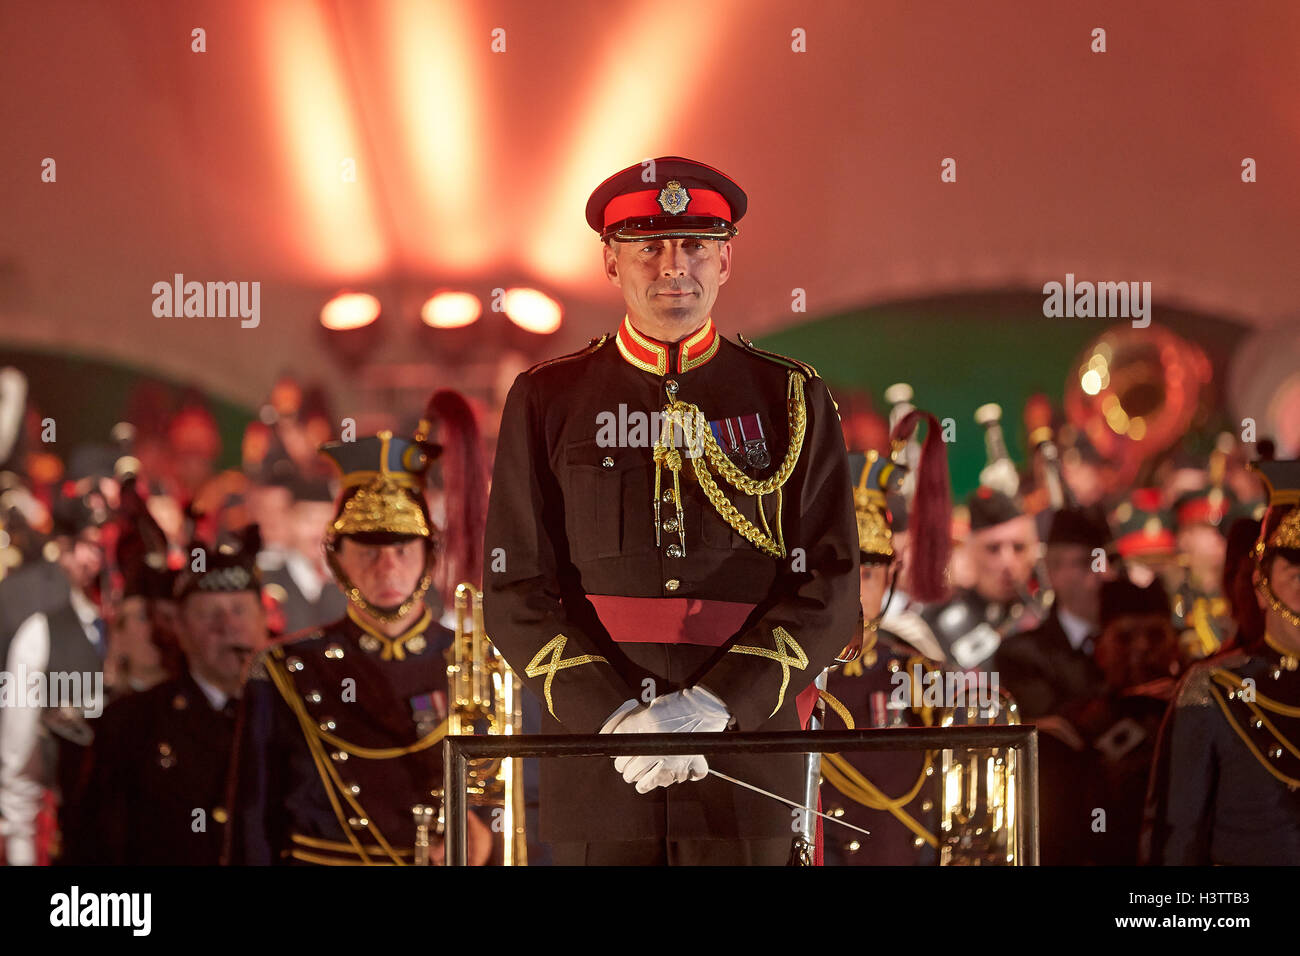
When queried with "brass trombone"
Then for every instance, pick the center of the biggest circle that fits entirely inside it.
(485, 696)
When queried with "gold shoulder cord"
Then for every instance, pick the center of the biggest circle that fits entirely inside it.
(1226, 680)
(852, 783)
(666, 454)
(329, 776)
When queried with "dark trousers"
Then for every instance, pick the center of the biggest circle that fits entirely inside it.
(674, 853)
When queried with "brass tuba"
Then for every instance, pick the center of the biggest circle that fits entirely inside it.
(484, 696)
(1134, 393)
(977, 791)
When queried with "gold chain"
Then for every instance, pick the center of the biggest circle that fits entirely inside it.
(713, 454)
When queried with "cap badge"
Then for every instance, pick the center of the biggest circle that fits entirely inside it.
(673, 198)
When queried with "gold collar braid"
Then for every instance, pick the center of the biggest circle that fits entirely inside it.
(678, 411)
(392, 648)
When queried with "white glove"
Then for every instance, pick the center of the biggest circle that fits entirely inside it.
(685, 711)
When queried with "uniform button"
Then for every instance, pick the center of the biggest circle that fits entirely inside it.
(220, 815)
(338, 756)
(670, 524)
(666, 497)
(293, 664)
(358, 823)
(926, 806)
(672, 584)
(334, 652)
(327, 723)
(165, 749)
(314, 697)
(853, 846)
(354, 789)
(607, 462)
(674, 551)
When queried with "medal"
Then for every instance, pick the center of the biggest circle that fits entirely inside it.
(751, 433)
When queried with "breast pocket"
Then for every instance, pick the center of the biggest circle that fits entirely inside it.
(607, 500)
(715, 531)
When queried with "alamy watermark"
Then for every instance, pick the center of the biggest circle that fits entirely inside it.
(1100, 300)
(950, 689)
(210, 300)
(638, 429)
(62, 690)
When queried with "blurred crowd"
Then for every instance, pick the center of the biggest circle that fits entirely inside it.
(1086, 599)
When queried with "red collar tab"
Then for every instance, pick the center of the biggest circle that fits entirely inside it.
(657, 358)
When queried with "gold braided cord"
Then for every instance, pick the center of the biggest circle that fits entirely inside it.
(841, 775)
(798, 423)
(285, 686)
(682, 411)
(1250, 744)
(837, 705)
(1227, 679)
(849, 781)
(308, 857)
(334, 846)
(384, 753)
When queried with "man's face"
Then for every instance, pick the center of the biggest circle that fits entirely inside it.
(82, 558)
(1003, 556)
(268, 507)
(386, 574)
(669, 285)
(219, 632)
(1077, 586)
(1284, 576)
(1205, 550)
(873, 578)
(309, 521)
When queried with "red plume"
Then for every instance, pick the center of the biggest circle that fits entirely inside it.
(929, 525)
(464, 483)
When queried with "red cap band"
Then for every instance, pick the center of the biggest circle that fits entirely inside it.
(703, 202)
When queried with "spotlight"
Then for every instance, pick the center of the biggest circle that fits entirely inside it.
(349, 330)
(349, 310)
(532, 311)
(446, 309)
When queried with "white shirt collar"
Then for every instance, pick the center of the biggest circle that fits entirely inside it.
(1076, 628)
(83, 606)
(216, 697)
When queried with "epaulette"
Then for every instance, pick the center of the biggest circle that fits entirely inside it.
(592, 346)
(1194, 688)
(257, 669)
(808, 370)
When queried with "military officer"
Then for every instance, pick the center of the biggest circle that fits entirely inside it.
(154, 791)
(1226, 783)
(340, 725)
(673, 520)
